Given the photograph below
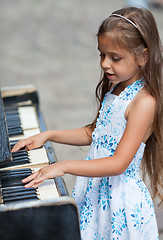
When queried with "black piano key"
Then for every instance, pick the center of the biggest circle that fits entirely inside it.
(12, 112)
(13, 180)
(20, 198)
(11, 184)
(13, 126)
(12, 143)
(19, 161)
(13, 177)
(17, 129)
(11, 109)
(20, 153)
(12, 117)
(23, 155)
(22, 193)
(20, 158)
(16, 162)
(15, 132)
(16, 171)
(16, 189)
(13, 122)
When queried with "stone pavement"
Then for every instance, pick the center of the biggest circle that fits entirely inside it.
(52, 44)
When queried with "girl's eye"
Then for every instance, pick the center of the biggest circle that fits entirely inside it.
(116, 59)
(102, 55)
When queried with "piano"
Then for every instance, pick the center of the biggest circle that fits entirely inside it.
(47, 212)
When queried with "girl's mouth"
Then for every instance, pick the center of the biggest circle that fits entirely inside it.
(109, 75)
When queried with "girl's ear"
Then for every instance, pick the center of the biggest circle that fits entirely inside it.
(143, 58)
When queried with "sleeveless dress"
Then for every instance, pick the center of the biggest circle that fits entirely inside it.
(116, 207)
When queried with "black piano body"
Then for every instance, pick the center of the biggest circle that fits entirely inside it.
(45, 217)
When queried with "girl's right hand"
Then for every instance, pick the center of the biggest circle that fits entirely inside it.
(32, 142)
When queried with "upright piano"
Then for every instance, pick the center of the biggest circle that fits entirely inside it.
(30, 214)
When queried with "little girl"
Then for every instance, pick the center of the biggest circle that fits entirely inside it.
(112, 199)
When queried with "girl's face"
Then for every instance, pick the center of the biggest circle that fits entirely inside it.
(118, 64)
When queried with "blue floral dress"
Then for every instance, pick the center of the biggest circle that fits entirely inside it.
(115, 207)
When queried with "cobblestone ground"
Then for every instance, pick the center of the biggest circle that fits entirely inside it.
(52, 44)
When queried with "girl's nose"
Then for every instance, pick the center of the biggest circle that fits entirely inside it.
(105, 63)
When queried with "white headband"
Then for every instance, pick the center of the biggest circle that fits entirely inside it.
(128, 20)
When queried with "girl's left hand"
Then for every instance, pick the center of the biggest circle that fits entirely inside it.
(50, 171)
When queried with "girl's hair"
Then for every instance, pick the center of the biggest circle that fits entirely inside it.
(127, 36)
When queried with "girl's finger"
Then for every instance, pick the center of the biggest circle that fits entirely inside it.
(29, 178)
(30, 184)
(37, 184)
(33, 184)
(19, 145)
(41, 176)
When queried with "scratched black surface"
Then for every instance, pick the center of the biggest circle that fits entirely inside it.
(55, 222)
(5, 151)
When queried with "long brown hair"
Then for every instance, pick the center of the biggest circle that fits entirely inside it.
(133, 39)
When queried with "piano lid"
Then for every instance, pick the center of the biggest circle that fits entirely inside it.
(5, 150)
(20, 95)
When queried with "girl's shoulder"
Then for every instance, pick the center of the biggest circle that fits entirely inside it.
(143, 101)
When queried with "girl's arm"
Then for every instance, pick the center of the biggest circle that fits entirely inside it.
(78, 137)
(140, 119)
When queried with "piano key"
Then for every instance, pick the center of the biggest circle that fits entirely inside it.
(13, 190)
(35, 157)
(19, 193)
(16, 163)
(46, 190)
(11, 111)
(12, 176)
(20, 198)
(23, 157)
(16, 131)
(13, 126)
(11, 184)
(26, 134)
(16, 171)
(12, 181)
(20, 153)
(26, 117)
(12, 143)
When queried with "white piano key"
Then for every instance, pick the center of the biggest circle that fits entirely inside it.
(27, 133)
(38, 156)
(47, 190)
(28, 117)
